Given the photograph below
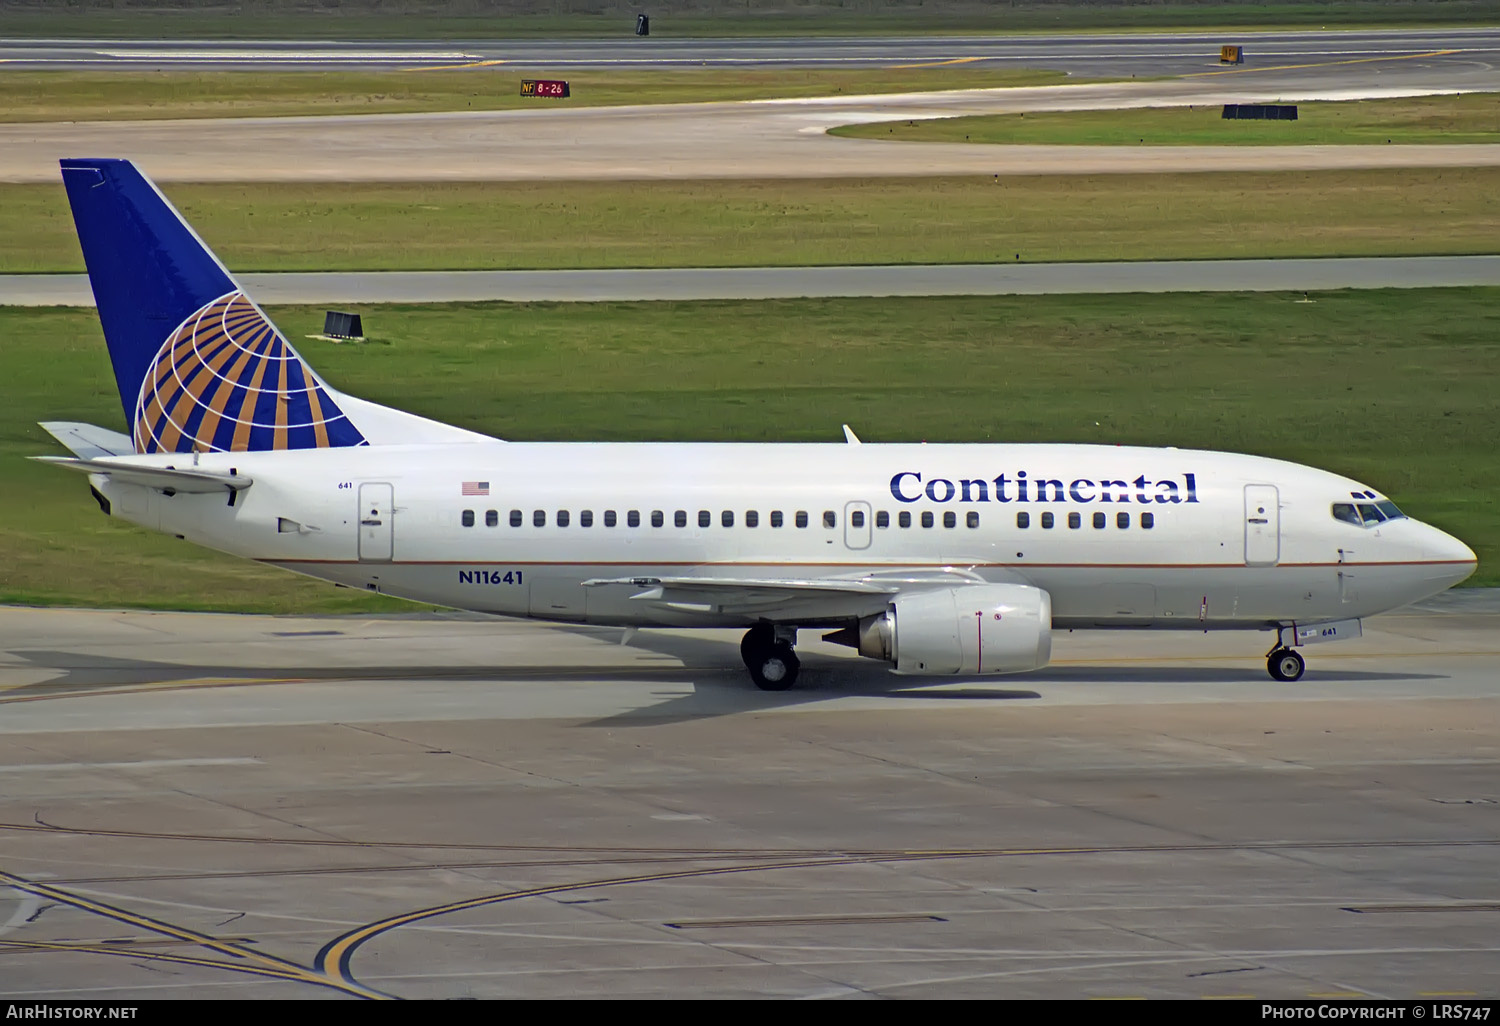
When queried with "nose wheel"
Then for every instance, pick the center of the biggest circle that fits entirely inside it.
(1285, 664)
(768, 656)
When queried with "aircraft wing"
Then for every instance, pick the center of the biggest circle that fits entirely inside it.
(761, 597)
(167, 479)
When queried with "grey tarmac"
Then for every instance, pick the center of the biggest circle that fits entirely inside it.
(1146, 53)
(700, 283)
(444, 806)
(741, 139)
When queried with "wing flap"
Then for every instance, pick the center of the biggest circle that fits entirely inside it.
(761, 597)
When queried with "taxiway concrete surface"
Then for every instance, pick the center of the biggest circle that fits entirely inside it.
(696, 283)
(743, 139)
(774, 138)
(197, 804)
(1154, 53)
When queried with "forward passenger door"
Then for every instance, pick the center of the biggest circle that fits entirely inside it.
(1262, 525)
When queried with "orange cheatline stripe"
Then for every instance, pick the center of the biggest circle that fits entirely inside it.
(924, 566)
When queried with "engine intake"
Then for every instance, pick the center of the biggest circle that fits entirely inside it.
(975, 629)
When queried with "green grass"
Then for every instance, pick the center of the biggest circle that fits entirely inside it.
(490, 19)
(27, 96)
(284, 227)
(1471, 118)
(1393, 387)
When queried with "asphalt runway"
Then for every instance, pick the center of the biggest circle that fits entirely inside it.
(1457, 50)
(750, 139)
(773, 138)
(694, 283)
(207, 805)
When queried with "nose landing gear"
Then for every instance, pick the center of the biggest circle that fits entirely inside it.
(768, 655)
(1285, 664)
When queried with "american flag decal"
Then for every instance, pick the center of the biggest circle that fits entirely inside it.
(476, 488)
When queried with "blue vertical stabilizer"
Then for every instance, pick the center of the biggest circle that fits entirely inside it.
(199, 366)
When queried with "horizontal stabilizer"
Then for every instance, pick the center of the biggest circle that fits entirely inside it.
(87, 440)
(166, 479)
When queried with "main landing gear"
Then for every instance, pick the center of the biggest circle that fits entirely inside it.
(1285, 664)
(768, 655)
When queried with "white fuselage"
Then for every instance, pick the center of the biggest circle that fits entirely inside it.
(1233, 541)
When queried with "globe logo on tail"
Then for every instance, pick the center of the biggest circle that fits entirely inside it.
(227, 381)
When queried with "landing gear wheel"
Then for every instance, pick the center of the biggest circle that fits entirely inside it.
(772, 664)
(1285, 664)
(756, 641)
(775, 669)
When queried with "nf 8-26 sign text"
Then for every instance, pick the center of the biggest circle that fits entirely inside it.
(544, 87)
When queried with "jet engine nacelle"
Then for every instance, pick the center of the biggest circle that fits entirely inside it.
(974, 629)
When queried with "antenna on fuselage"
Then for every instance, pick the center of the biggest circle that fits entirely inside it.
(850, 436)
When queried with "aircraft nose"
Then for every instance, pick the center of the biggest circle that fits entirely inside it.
(1452, 554)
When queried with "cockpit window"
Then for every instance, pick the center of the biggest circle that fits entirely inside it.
(1367, 514)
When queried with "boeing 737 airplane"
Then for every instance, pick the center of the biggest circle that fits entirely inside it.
(937, 559)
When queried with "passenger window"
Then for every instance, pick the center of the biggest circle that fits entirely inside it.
(609, 518)
(882, 519)
(1023, 519)
(515, 518)
(973, 518)
(829, 520)
(1099, 520)
(679, 518)
(1074, 520)
(857, 518)
(752, 518)
(904, 518)
(1047, 521)
(1346, 512)
(658, 518)
(585, 518)
(726, 518)
(468, 518)
(562, 518)
(1122, 519)
(950, 519)
(539, 518)
(492, 518)
(704, 518)
(1148, 521)
(775, 518)
(927, 519)
(802, 518)
(633, 518)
